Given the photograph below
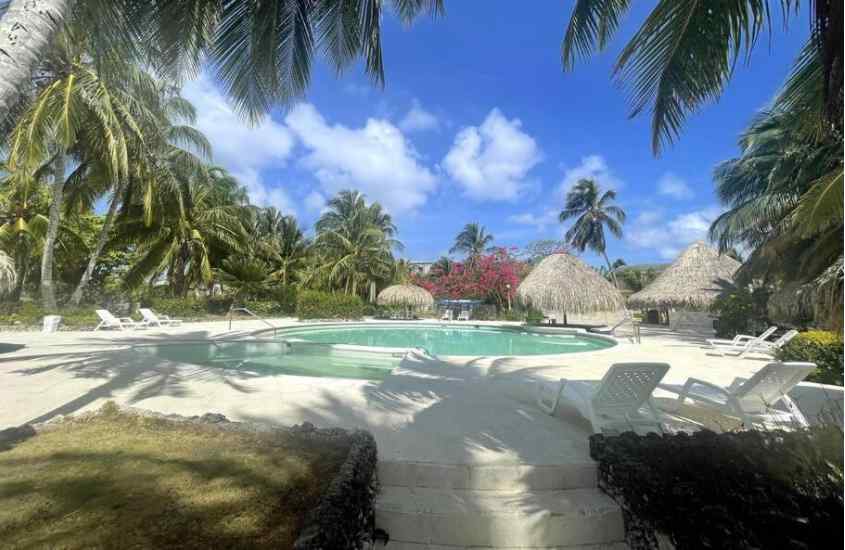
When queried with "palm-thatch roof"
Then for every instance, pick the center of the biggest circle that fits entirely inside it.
(693, 281)
(563, 283)
(818, 302)
(405, 295)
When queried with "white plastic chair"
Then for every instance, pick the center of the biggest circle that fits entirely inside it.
(447, 315)
(752, 399)
(755, 345)
(615, 400)
(463, 315)
(742, 339)
(107, 320)
(152, 319)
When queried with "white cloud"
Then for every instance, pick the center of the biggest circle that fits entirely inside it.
(669, 237)
(491, 161)
(592, 167)
(540, 221)
(376, 159)
(243, 149)
(262, 194)
(674, 186)
(418, 119)
(315, 202)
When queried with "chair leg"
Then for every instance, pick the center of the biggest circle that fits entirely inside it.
(550, 409)
(796, 412)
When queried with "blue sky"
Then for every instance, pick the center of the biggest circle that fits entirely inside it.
(478, 122)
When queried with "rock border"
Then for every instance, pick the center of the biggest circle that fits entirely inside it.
(344, 519)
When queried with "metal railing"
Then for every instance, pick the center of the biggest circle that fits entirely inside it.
(252, 314)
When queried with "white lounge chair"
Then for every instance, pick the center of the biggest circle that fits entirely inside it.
(152, 319)
(447, 315)
(615, 400)
(742, 339)
(627, 318)
(756, 345)
(107, 320)
(463, 315)
(752, 399)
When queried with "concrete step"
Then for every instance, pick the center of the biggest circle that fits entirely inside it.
(487, 477)
(499, 519)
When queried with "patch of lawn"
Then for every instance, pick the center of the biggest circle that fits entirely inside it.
(119, 480)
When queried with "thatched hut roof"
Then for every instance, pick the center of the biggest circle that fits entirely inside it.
(405, 295)
(563, 283)
(693, 281)
(818, 302)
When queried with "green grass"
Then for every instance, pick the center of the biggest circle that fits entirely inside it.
(117, 480)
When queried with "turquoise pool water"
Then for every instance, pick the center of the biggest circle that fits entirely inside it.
(304, 350)
(449, 339)
(297, 359)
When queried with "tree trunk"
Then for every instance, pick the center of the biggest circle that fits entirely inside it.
(26, 30)
(610, 269)
(48, 291)
(76, 298)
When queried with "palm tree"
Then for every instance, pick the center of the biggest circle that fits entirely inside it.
(262, 52)
(164, 120)
(78, 114)
(594, 211)
(280, 242)
(354, 244)
(197, 224)
(443, 266)
(683, 55)
(473, 240)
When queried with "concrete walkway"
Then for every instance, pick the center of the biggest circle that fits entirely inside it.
(462, 435)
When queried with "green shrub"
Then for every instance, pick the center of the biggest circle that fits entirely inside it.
(181, 308)
(745, 490)
(31, 315)
(311, 304)
(740, 311)
(820, 347)
(264, 308)
(219, 305)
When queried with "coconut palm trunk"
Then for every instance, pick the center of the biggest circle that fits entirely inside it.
(57, 189)
(610, 269)
(26, 30)
(76, 297)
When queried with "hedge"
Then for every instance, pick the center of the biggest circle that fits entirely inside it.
(741, 490)
(31, 315)
(311, 304)
(820, 347)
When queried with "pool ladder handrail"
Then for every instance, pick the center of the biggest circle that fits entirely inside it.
(251, 313)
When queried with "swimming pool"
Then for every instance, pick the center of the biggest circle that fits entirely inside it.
(449, 340)
(269, 358)
(365, 351)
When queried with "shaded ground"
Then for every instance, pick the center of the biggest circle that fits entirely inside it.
(117, 480)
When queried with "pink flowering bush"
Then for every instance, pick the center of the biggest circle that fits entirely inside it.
(486, 277)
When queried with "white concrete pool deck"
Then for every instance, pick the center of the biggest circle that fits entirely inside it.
(461, 411)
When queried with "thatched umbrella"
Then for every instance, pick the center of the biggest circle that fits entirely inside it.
(563, 283)
(405, 295)
(692, 282)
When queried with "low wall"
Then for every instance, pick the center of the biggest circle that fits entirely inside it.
(820, 403)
